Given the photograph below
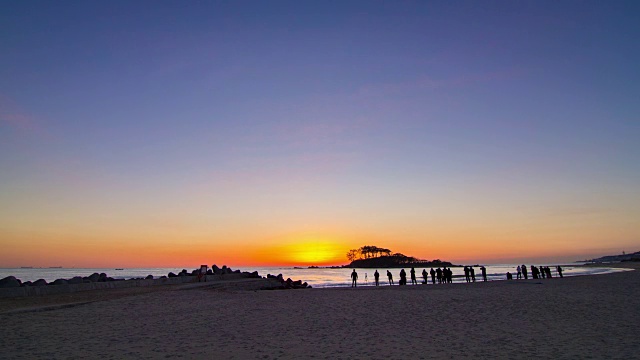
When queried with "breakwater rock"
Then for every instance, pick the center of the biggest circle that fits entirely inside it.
(10, 286)
(286, 284)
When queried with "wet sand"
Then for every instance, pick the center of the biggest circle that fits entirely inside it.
(579, 317)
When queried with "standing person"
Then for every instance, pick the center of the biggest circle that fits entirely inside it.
(433, 276)
(425, 276)
(354, 278)
(439, 275)
(403, 277)
(484, 273)
(534, 272)
(524, 271)
(466, 274)
(376, 276)
(413, 277)
(559, 270)
(473, 273)
(390, 277)
(519, 272)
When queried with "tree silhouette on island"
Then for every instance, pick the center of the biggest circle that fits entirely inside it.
(370, 256)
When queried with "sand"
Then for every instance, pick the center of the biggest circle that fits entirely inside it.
(587, 317)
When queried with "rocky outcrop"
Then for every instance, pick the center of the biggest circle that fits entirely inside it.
(286, 284)
(13, 287)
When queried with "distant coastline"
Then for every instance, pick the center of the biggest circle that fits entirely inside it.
(624, 257)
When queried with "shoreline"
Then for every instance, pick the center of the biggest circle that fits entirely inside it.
(39, 302)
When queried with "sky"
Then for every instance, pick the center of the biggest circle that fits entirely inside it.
(261, 133)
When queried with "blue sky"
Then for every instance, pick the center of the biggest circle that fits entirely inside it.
(290, 117)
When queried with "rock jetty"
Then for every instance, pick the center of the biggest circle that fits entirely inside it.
(10, 286)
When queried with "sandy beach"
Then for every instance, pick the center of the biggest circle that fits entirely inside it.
(587, 317)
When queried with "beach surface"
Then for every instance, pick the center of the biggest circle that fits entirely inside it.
(586, 317)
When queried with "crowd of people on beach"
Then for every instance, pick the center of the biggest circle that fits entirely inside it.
(540, 272)
(444, 275)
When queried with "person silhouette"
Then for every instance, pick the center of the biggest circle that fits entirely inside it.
(354, 278)
(425, 276)
(433, 276)
(519, 275)
(403, 277)
(376, 276)
(472, 271)
(390, 276)
(484, 273)
(559, 269)
(439, 275)
(524, 271)
(413, 277)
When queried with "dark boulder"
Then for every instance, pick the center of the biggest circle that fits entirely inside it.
(209, 272)
(103, 277)
(9, 282)
(149, 277)
(26, 283)
(253, 275)
(172, 275)
(75, 280)
(95, 277)
(163, 277)
(216, 269)
(59, 282)
(39, 282)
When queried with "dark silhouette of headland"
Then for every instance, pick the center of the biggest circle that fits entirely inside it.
(376, 257)
(616, 258)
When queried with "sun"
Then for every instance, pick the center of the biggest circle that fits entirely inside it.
(315, 252)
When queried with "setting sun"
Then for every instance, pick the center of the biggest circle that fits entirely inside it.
(304, 250)
(315, 252)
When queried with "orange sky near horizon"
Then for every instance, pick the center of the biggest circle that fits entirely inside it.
(463, 245)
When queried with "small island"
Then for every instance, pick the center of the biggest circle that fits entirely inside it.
(370, 256)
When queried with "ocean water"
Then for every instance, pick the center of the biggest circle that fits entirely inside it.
(320, 277)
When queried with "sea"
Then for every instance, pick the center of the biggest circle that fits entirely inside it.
(316, 277)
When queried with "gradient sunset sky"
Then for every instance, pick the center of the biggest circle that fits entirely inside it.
(180, 133)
